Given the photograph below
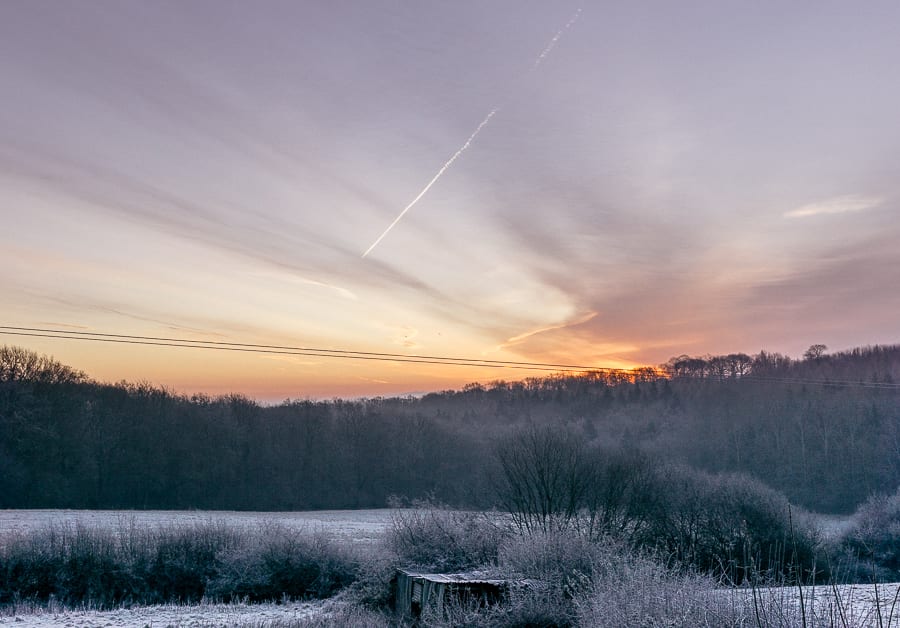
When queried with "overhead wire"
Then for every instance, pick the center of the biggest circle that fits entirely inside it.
(162, 341)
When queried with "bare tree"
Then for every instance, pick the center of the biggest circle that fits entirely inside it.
(623, 495)
(551, 481)
(18, 364)
(815, 352)
(546, 475)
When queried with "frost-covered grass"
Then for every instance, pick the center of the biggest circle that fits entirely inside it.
(649, 597)
(204, 614)
(76, 564)
(839, 606)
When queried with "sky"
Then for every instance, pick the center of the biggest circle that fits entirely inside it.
(645, 180)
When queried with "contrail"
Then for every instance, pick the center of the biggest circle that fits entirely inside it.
(543, 54)
(556, 37)
(435, 178)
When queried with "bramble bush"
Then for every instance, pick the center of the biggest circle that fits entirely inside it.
(76, 565)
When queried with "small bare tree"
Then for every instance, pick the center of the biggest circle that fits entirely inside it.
(552, 481)
(815, 352)
(623, 495)
(546, 475)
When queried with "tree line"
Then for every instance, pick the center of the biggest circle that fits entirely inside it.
(802, 427)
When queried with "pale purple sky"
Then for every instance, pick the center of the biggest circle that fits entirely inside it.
(671, 178)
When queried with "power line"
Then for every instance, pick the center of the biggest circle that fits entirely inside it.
(341, 352)
(159, 341)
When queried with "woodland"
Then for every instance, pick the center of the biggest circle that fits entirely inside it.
(823, 430)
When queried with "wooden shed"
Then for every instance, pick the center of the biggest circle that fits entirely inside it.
(416, 590)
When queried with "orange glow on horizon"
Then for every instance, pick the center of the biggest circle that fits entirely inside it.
(275, 378)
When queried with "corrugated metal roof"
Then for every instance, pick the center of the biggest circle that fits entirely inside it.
(455, 578)
(472, 577)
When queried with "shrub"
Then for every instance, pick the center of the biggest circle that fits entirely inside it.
(184, 559)
(730, 525)
(69, 563)
(874, 538)
(374, 577)
(640, 591)
(279, 563)
(76, 565)
(445, 540)
(563, 558)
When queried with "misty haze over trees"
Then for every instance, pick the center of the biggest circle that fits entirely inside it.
(823, 430)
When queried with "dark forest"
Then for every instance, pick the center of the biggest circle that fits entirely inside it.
(824, 430)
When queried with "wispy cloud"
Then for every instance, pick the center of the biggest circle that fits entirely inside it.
(296, 361)
(837, 205)
(63, 326)
(837, 292)
(540, 330)
(197, 328)
(373, 380)
(294, 278)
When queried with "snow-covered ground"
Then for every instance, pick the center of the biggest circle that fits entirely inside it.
(853, 605)
(168, 615)
(351, 525)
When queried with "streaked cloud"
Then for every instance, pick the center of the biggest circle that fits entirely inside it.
(291, 359)
(306, 281)
(519, 338)
(837, 205)
(373, 380)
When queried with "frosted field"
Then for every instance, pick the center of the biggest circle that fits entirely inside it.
(852, 605)
(350, 525)
(160, 616)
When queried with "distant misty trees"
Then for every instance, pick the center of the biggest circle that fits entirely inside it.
(825, 430)
(21, 365)
(736, 365)
(732, 365)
